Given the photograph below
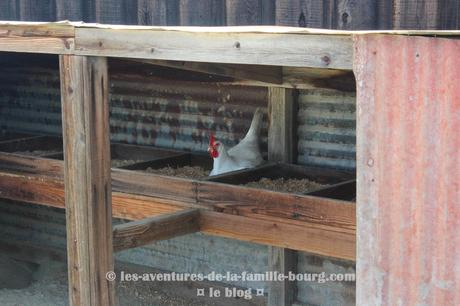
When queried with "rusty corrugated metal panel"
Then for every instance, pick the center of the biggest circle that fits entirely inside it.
(326, 128)
(144, 110)
(408, 163)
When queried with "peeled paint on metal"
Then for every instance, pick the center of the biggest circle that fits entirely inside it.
(408, 167)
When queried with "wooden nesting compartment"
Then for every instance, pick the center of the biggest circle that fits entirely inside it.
(287, 178)
(345, 191)
(41, 146)
(127, 156)
(185, 165)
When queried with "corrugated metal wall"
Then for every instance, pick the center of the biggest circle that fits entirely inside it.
(44, 227)
(335, 14)
(144, 108)
(408, 187)
(326, 128)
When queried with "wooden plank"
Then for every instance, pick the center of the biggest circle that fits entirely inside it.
(30, 165)
(145, 231)
(154, 185)
(281, 140)
(355, 15)
(326, 237)
(277, 233)
(48, 191)
(283, 261)
(202, 13)
(37, 38)
(49, 45)
(334, 52)
(421, 14)
(250, 202)
(85, 116)
(267, 74)
(281, 144)
(250, 12)
(32, 10)
(9, 10)
(300, 13)
(108, 11)
(158, 12)
(70, 10)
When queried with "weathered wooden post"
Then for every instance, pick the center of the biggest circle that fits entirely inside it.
(85, 114)
(280, 148)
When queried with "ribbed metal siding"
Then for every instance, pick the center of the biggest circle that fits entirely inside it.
(327, 128)
(408, 192)
(143, 110)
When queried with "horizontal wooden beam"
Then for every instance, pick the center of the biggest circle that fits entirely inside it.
(264, 229)
(318, 51)
(267, 74)
(53, 38)
(142, 232)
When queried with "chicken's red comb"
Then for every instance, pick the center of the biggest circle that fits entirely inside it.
(212, 140)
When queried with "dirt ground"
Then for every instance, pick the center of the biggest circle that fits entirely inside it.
(45, 284)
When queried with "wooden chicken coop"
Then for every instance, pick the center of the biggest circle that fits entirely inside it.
(77, 172)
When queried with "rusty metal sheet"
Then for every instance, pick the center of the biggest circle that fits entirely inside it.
(408, 166)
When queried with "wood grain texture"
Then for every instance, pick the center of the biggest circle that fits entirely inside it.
(281, 142)
(73, 10)
(9, 10)
(281, 145)
(235, 48)
(418, 14)
(300, 13)
(166, 187)
(145, 231)
(250, 12)
(202, 13)
(283, 260)
(225, 198)
(33, 10)
(158, 12)
(30, 165)
(326, 230)
(277, 233)
(85, 116)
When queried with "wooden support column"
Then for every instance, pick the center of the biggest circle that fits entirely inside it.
(85, 116)
(281, 148)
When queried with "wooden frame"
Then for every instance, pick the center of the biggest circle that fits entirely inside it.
(271, 218)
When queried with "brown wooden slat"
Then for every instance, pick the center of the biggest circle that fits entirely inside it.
(154, 185)
(334, 52)
(255, 202)
(48, 191)
(145, 231)
(323, 241)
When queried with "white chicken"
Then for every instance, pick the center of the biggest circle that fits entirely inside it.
(244, 155)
